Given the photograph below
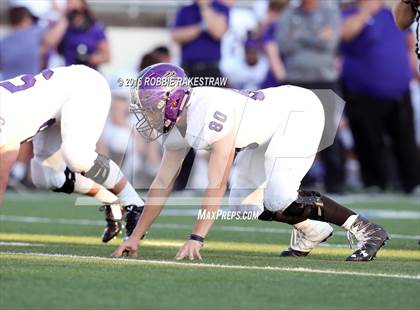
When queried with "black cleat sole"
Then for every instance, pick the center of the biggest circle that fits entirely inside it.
(294, 253)
(111, 232)
(367, 259)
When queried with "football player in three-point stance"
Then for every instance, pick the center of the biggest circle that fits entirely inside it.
(64, 110)
(279, 130)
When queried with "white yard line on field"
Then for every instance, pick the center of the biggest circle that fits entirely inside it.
(221, 266)
(231, 228)
(24, 244)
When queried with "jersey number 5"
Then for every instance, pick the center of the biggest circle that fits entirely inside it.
(28, 81)
(221, 118)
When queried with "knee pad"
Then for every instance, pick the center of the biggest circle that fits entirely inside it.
(46, 177)
(279, 216)
(99, 172)
(308, 205)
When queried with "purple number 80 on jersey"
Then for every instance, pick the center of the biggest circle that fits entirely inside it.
(28, 82)
(217, 126)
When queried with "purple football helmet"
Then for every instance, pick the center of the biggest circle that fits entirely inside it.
(160, 97)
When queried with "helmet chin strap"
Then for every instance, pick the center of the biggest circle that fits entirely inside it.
(185, 101)
(184, 105)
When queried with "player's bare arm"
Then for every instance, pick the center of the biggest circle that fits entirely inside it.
(8, 155)
(221, 159)
(158, 193)
(404, 14)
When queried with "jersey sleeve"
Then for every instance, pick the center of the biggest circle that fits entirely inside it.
(210, 126)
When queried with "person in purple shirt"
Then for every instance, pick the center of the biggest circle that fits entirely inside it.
(79, 37)
(376, 75)
(198, 29)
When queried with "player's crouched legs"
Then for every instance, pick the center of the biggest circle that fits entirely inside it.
(314, 206)
(104, 171)
(306, 233)
(52, 174)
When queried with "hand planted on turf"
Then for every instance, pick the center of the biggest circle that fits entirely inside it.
(190, 249)
(128, 248)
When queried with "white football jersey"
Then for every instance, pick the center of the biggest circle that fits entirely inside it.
(253, 116)
(29, 104)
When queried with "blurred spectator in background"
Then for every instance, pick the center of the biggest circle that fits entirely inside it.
(79, 37)
(242, 21)
(21, 49)
(199, 28)
(308, 36)
(162, 54)
(157, 55)
(376, 77)
(268, 27)
(148, 59)
(248, 72)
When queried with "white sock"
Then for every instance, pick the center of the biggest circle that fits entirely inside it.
(350, 221)
(83, 185)
(128, 196)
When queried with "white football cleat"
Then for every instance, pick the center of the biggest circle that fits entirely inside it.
(306, 236)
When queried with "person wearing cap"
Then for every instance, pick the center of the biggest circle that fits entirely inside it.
(253, 67)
